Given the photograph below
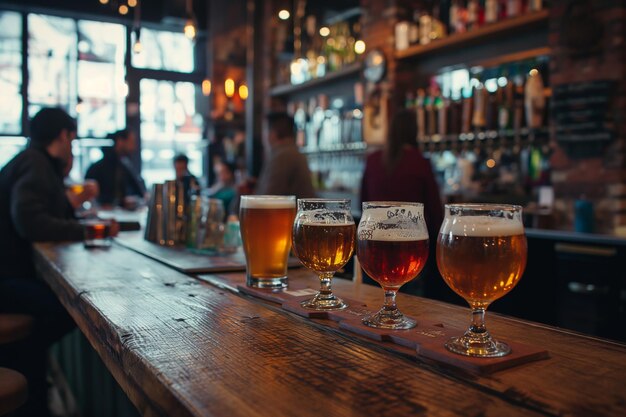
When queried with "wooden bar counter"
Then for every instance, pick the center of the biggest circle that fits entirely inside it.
(180, 346)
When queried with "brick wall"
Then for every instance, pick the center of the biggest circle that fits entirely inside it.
(601, 178)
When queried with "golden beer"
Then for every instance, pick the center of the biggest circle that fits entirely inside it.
(266, 223)
(481, 258)
(324, 247)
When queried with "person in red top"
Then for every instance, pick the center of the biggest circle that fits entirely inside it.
(399, 172)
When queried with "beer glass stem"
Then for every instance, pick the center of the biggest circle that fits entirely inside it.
(390, 300)
(478, 321)
(325, 284)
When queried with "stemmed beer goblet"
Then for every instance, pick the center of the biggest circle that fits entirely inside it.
(323, 240)
(481, 254)
(392, 247)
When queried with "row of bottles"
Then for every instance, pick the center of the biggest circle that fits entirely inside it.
(507, 167)
(323, 49)
(435, 19)
(498, 105)
(326, 123)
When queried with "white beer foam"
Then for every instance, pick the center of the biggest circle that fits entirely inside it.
(481, 226)
(268, 202)
(399, 236)
(328, 224)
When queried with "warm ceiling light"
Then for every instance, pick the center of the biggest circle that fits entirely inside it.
(131, 3)
(324, 31)
(243, 91)
(284, 14)
(104, 1)
(229, 87)
(190, 29)
(206, 87)
(123, 9)
(359, 47)
(137, 47)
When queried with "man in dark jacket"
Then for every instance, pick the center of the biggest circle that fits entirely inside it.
(34, 208)
(115, 174)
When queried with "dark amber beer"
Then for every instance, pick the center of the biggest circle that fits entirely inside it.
(324, 247)
(393, 263)
(481, 258)
(97, 232)
(266, 223)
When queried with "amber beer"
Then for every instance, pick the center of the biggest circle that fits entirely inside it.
(97, 233)
(481, 258)
(393, 263)
(324, 247)
(266, 223)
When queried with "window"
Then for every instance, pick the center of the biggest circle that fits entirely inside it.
(101, 73)
(169, 125)
(10, 73)
(170, 51)
(51, 63)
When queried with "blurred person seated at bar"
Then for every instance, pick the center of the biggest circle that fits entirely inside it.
(224, 187)
(285, 170)
(399, 172)
(181, 168)
(34, 208)
(116, 177)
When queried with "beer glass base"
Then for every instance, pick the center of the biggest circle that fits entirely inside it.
(270, 283)
(479, 347)
(324, 303)
(389, 320)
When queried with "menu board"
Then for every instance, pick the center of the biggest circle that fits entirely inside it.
(582, 113)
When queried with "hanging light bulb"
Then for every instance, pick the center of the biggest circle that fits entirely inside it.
(229, 87)
(123, 9)
(137, 46)
(243, 91)
(206, 87)
(284, 14)
(190, 24)
(131, 3)
(359, 47)
(190, 29)
(104, 1)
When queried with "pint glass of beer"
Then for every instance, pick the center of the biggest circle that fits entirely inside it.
(97, 233)
(323, 240)
(266, 223)
(392, 247)
(481, 254)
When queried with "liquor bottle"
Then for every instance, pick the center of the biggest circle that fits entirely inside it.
(402, 35)
(491, 113)
(431, 116)
(505, 110)
(472, 14)
(425, 27)
(414, 34)
(421, 114)
(518, 105)
(491, 11)
(513, 8)
(534, 100)
(467, 110)
(438, 29)
(455, 116)
(443, 107)
(535, 5)
(480, 102)
(453, 16)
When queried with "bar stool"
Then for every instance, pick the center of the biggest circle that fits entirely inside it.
(13, 385)
(14, 327)
(13, 390)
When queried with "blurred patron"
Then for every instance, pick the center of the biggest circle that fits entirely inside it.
(35, 208)
(119, 184)
(224, 187)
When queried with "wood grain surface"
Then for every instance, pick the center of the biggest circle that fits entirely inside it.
(181, 347)
(584, 376)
